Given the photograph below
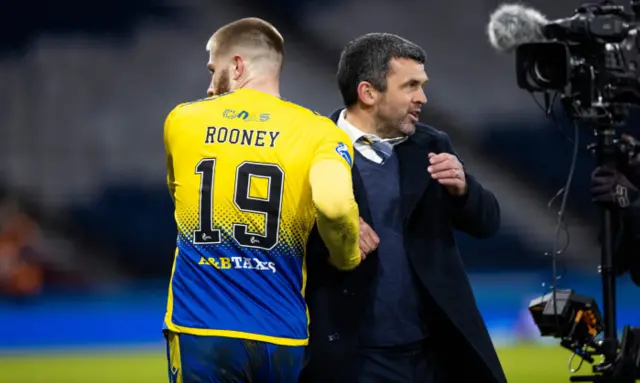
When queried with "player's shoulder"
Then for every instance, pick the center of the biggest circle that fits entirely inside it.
(325, 129)
(321, 123)
(317, 122)
(299, 110)
(324, 124)
(190, 107)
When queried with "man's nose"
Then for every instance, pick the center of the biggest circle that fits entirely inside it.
(421, 97)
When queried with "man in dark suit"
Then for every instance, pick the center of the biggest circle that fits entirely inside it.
(619, 190)
(407, 313)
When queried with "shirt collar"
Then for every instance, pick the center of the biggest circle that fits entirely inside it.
(355, 134)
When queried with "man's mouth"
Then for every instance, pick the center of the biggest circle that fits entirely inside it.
(415, 115)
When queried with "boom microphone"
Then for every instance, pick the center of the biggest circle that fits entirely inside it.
(511, 25)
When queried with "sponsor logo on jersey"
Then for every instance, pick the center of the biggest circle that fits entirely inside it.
(245, 263)
(231, 114)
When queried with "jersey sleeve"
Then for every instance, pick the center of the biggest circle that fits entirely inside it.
(334, 144)
(168, 132)
(337, 214)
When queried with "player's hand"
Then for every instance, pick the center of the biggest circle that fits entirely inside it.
(368, 239)
(448, 171)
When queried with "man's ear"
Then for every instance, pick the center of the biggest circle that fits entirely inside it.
(367, 94)
(238, 67)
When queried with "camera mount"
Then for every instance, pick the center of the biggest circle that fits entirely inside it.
(592, 60)
(576, 319)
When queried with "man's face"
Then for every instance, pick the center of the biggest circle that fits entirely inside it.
(398, 108)
(220, 78)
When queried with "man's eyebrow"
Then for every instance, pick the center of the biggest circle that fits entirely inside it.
(415, 80)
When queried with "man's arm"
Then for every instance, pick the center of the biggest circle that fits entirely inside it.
(336, 212)
(169, 158)
(171, 178)
(477, 212)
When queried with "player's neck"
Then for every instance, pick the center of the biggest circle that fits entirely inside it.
(262, 84)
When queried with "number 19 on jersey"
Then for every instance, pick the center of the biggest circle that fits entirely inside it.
(270, 207)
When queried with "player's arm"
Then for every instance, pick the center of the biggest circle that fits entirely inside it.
(337, 213)
(171, 178)
(169, 158)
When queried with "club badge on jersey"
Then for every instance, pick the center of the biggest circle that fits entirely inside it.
(343, 151)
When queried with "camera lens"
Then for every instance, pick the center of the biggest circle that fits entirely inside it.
(545, 72)
(543, 66)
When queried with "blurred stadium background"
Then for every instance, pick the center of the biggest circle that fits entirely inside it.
(86, 229)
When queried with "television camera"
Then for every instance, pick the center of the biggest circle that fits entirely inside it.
(591, 60)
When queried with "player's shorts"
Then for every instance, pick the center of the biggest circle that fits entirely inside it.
(211, 359)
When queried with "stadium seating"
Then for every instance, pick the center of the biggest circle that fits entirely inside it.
(109, 19)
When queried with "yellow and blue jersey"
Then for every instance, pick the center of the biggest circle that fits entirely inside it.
(238, 170)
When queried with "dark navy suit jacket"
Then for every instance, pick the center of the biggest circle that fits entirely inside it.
(337, 299)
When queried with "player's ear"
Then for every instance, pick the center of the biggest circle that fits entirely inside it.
(367, 94)
(238, 66)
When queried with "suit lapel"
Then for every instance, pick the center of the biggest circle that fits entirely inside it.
(414, 177)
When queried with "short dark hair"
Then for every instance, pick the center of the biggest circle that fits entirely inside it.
(367, 58)
(250, 31)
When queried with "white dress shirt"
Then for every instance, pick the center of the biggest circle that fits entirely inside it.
(356, 134)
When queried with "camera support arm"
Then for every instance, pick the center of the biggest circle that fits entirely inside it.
(606, 155)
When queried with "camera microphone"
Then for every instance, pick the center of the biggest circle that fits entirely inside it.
(512, 25)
